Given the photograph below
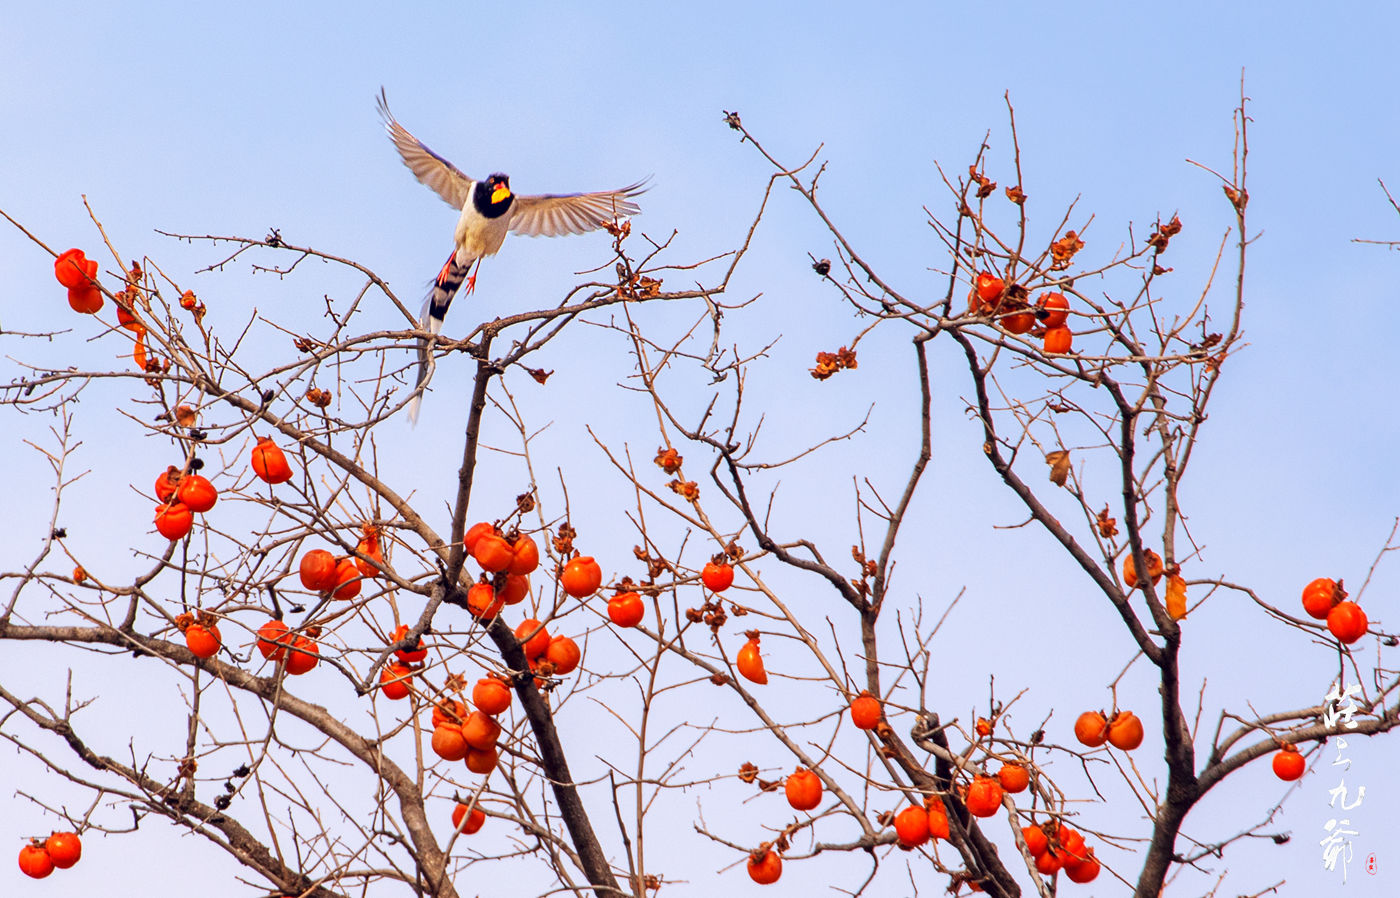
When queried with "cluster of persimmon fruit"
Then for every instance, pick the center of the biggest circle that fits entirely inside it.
(78, 273)
(1175, 603)
(1010, 306)
(319, 571)
(39, 857)
(803, 788)
(1325, 599)
(461, 734)
(1122, 730)
(718, 575)
(1053, 846)
(183, 493)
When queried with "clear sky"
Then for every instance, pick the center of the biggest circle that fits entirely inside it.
(233, 119)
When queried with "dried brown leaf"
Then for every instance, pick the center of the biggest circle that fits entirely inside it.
(1059, 466)
(1176, 597)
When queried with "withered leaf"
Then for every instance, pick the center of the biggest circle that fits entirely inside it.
(828, 363)
(1059, 466)
(1064, 249)
(1176, 597)
(669, 459)
(687, 489)
(1107, 524)
(1164, 233)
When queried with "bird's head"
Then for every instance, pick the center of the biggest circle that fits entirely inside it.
(498, 186)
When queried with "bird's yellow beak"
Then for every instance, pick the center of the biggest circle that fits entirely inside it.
(500, 194)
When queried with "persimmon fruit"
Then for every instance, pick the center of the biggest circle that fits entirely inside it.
(626, 609)
(491, 695)
(483, 602)
(1058, 340)
(983, 796)
(482, 762)
(1347, 622)
(1320, 595)
(911, 826)
(474, 818)
(476, 532)
(318, 571)
(717, 577)
(1036, 840)
(1289, 763)
(1053, 310)
(34, 861)
(989, 288)
(302, 655)
(1091, 729)
(1013, 778)
(526, 555)
(537, 644)
(197, 492)
(347, 578)
(65, 849)
(581, 577)
(448, 742)
(394, 681)
(750, 662)
(764, 866)
(202, 641)
(803, 789)
(1125, 731)
(493, 553)
(174, 520)
(269, 462)
(1155, 568)
(516, 588)
(564, 654)
(412, 655)
(865, 711)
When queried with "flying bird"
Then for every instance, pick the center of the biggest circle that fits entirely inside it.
(489, 210)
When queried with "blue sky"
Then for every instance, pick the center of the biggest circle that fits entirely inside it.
(207, 120)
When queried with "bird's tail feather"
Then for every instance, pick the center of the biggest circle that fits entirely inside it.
(445, 287)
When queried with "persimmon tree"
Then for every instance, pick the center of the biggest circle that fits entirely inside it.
(382, 692)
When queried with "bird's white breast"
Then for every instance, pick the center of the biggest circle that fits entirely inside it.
(478, 235)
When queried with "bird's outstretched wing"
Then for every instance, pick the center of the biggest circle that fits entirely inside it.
(553, 214)
(446, 180)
